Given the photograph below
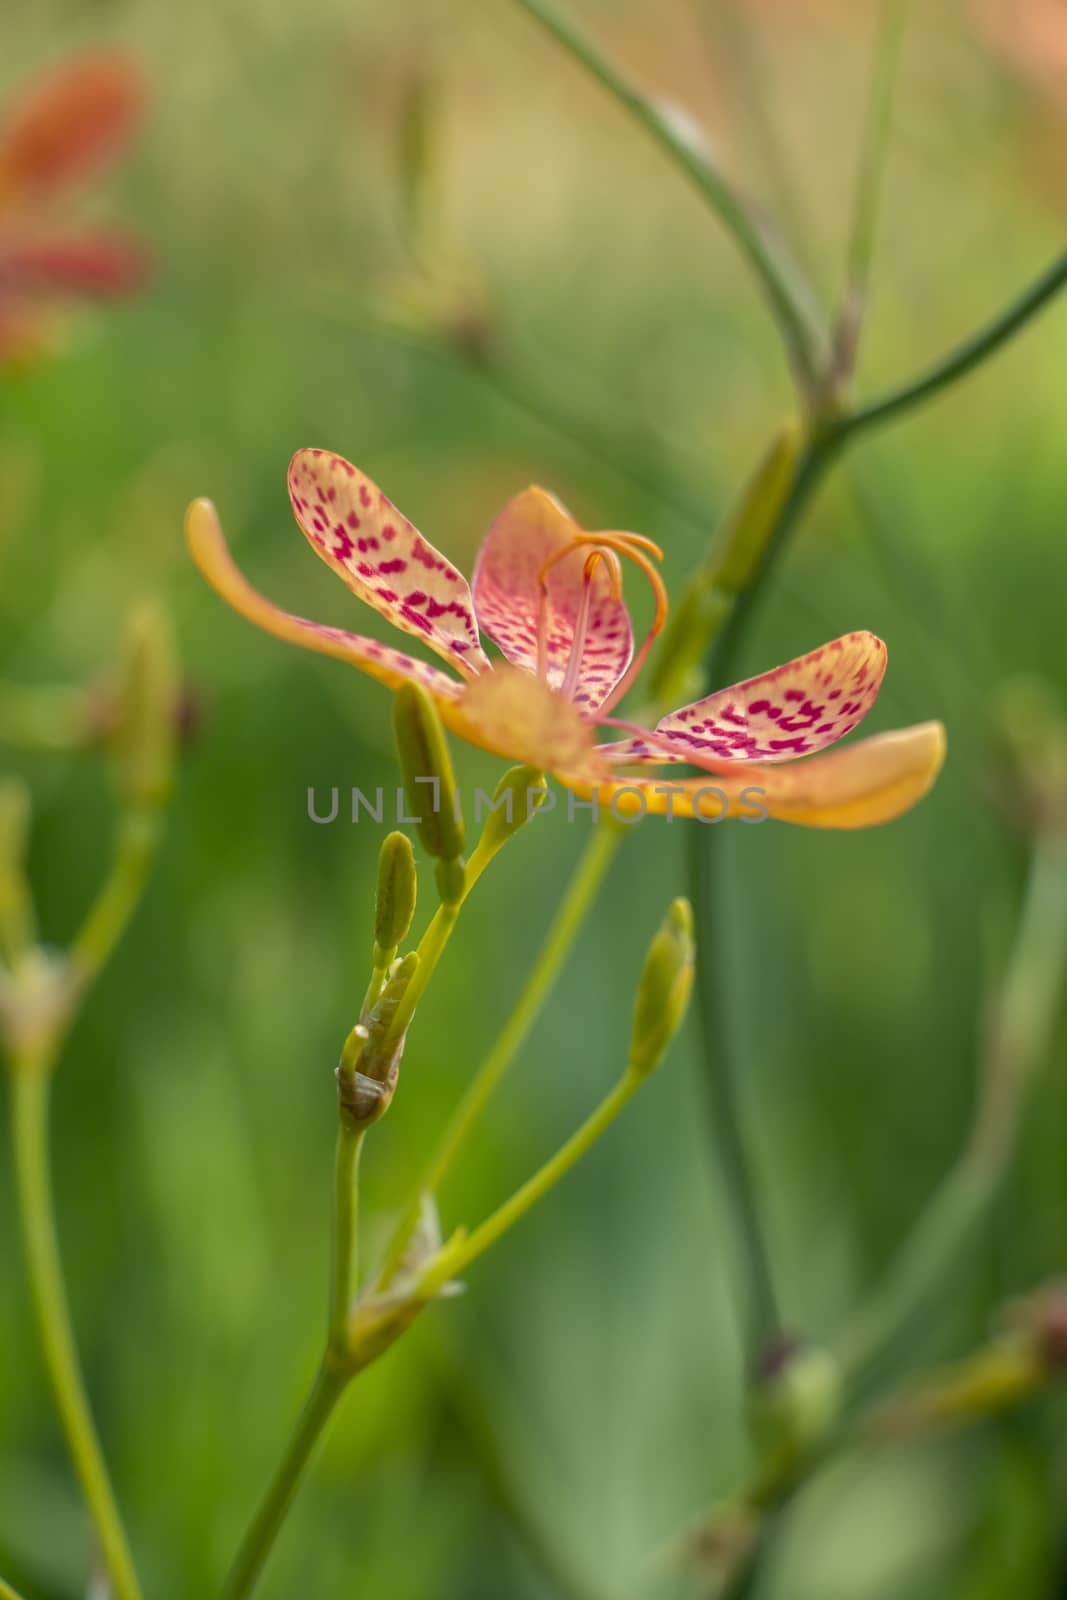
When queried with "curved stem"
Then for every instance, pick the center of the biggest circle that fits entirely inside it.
(584, 886)
(959, 362)
(329, 1385)
(30, 1090)
(345, 1232)
(782, 283)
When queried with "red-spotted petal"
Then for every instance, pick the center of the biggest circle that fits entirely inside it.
(382, 558)
(795, 710)
(71, 121)
(381, 661)
(859, 785)
(508, 592)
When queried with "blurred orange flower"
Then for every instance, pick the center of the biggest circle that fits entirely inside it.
(1032, 35)
(69, 125)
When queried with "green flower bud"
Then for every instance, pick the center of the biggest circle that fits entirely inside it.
(796, 1399)
(429, 781)
(663, 990)
(736, 552)
(394, 904)
(148, 708)
(370, 1060)
(515, 799)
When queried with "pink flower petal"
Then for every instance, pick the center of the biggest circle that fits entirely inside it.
(383, 559)
(381, 661)
(507, 598)
(794, 710)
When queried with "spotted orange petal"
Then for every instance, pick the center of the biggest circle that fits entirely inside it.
(507, 598)
(70, 122)
(794, 710)
(391, 667)
(858, 786)
(384, 559)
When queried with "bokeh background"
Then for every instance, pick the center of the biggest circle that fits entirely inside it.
(581, 1403)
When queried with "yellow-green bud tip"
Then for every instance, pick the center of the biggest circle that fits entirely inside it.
(515, 799)
(394, 904)
(663, 990)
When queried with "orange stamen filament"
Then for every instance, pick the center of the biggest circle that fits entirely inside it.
(606, 547)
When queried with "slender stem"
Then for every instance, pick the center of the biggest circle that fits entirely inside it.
(329, 1385)
(966, 357)
(30, 1091)
(570, 918)
(459, 1256)
(870, 181)
(782, 283)
(1018, 1042)
(135, 851)
(7, 1592)
(344, 1276)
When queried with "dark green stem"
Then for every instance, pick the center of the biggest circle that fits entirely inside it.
(959, 362)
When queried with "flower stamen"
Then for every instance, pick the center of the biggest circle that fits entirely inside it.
(609, 548)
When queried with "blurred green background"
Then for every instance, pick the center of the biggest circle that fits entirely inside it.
(581, 1403)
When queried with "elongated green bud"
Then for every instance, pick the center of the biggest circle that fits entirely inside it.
(515, 799)
(148, 711)
(430, 785)
(394, 904)
(663, 990)
(370, 1061)
(736, 552)
(16, 905)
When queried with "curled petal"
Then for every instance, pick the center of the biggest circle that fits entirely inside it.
(70, 122)
(858, 786)
(513, 715)
(794, 710)
(381, 661)
(531, 529)
(94, 266)
(382, 558)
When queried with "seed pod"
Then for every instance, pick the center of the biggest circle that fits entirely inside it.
(394, 904)
(663, 990)
(148, 707)
(429, 781)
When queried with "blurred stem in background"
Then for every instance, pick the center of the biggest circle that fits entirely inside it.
(38, 1003)
(780, 280)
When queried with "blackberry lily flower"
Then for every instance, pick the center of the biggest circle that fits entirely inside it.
(549, 594)
(69, 125)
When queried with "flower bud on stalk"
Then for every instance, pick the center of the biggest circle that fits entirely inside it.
(149, 698)
(796, 1398)
(736, 552)
(517, 795)
(426, 765)
(663, 990)
(394, 905)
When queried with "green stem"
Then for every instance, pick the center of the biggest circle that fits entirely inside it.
(30, 1091)
(345, 1233)
(7, 1592)
(570, 918)
(457, 1257)
(968, 355)
(135, 852)
(1019, 1041)
(782, 283)
(327, 1389)
(870, 182)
